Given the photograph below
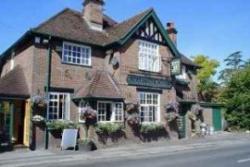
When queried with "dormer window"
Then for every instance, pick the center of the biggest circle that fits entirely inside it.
(76, 54)
(183, 74)
(149, 57)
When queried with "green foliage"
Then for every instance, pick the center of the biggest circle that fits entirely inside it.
(236, 98)
(208, 67)
(108, 128)
(233, 63)
(60, 125)
(151, 128)
(207, 87)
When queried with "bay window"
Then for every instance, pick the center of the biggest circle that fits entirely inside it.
(76, 54)
(110, 111)
(149, 107)
(149, 57)
(59, 106)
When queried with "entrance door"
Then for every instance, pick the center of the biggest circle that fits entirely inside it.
(217, 121)
(18, 122)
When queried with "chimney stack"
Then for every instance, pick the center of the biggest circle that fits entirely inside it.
(93, 13)
(172, 32)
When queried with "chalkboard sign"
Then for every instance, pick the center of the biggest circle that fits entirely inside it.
(69, 139)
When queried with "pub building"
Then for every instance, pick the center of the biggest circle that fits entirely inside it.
(78, 59)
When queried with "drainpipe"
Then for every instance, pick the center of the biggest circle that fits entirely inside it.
(47, 88)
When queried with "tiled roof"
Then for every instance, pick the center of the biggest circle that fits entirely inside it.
(185, 60)
(69, 24)
(14, 84)
(102, 85)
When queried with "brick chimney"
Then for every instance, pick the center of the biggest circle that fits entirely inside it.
(93, 13)
(172, 32)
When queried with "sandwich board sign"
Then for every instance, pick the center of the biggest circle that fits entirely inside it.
(69, 139)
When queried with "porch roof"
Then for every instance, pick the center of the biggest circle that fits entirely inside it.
(14, 85)
(102, 86)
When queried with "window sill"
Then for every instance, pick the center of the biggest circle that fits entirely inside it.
(146, 123)
(79, 65)
(109, 122)
(150, 72)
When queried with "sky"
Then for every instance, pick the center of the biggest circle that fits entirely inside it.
(214, 28)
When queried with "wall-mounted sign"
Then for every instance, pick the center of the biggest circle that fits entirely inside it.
(176, 67)
(144, 81)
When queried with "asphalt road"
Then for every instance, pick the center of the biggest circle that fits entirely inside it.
(234, 156)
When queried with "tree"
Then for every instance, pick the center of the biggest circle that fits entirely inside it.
(236, 98)
(207, 88)
(233, 62)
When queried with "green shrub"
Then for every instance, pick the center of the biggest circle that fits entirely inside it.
(60, 125)
(108, 128)
(151, 128)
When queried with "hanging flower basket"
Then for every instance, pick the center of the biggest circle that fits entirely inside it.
(89, 115)
(39, 101)
(172, 111)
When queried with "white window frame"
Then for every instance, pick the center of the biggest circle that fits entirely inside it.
(113, 112)
(183, 74)
(151, 104)
(65, 111)
(81, 58)
(145, 56)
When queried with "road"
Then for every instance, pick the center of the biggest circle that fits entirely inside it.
(235, 156)
(225, 150)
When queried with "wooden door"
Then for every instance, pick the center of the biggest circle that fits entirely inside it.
(27, 123)
(217, 120)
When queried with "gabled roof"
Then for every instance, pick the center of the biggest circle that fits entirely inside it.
(69, 24)
(14, 84)
(102, 85)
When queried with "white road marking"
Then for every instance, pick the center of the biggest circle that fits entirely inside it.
(243, 160)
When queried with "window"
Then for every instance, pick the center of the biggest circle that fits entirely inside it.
(149, 107)
(183, 74)
(59, 106)
(76, 54)
(110, 111)
(149, 57)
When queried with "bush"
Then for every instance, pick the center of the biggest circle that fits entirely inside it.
(236, 98)
(108, 128)
(151, 128)
(60, 125)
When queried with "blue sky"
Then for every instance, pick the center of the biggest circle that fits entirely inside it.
(215, 28)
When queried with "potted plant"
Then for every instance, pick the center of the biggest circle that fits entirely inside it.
(56, 127)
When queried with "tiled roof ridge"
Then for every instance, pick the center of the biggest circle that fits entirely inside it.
(130, 18)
